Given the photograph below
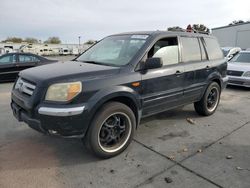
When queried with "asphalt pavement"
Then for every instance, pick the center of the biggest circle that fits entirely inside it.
(173, 149)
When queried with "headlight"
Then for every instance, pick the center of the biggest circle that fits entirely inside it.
(63, 91)
(246, 74)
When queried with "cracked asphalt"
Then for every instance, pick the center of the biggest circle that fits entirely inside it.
(167, 151)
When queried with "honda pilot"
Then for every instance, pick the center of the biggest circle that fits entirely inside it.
(102, 95)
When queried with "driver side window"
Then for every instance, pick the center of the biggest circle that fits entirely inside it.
(167, 49)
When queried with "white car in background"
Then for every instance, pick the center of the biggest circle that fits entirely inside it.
(238, 69)
(230, 52)
(64, 51)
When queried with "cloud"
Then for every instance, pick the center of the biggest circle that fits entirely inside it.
(95, 19)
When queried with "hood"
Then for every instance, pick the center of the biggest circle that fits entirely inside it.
(70, 70)
(237, 66)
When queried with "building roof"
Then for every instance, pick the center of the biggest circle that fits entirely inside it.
(234, 25)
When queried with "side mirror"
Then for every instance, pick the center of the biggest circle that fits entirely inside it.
(153, 63)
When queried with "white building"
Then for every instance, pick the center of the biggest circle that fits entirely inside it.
(233, 35)
(43, 49)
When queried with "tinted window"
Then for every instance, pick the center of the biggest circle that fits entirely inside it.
(241, 57)
(167, 49)
(7, 59)
(190, 49)
(213, 49)
(27, 58)
(225, 52)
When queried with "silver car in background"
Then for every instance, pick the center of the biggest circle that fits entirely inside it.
(238, 70)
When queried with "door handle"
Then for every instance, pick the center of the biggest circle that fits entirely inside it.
(177, 73)
(207, 67)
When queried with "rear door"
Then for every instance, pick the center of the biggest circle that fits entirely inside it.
(27, 61)
(8, 67)
(195, 61)
(163, 87)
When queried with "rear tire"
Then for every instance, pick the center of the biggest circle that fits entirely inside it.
(111, 130)
(210, 100)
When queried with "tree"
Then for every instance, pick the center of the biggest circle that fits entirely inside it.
(200, 28)
(235, 22)
(13, 39)
(31, 40)
(91, 42)
(53, 40)
(175, 28)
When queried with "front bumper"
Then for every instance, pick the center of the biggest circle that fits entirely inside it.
(239, 81)
(66, 121)
(50, 111)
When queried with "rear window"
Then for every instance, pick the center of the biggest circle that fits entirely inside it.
(225, 52)
(213, 49)
(190, 49)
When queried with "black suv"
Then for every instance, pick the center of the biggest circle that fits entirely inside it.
(102, 94)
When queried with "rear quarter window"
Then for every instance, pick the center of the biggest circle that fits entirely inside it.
(213, 49)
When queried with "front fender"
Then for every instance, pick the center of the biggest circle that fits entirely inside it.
(104, 95)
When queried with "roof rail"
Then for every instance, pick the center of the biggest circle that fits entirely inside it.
(201, 32)
(191, 29)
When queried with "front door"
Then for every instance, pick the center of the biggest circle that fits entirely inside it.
(162, 88)
(8, 67)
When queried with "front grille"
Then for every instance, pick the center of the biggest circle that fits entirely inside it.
(25, 87)
(234, 73)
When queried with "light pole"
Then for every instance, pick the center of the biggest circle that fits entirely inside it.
(79, 44)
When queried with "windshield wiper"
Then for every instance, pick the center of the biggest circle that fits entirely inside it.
(98, 63)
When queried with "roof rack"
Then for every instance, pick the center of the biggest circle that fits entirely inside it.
(192, 30)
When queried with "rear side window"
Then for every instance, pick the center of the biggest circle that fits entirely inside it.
(190, 49)
(27, 58)
(213, 49)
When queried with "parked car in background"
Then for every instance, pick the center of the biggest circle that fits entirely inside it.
(239, 69)
(230, 52)
(103, 93)
(12, 63)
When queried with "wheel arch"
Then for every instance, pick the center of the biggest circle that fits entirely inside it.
(215, 77)
(121, 94)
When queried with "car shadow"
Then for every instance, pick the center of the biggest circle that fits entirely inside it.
(28, 149)
(238, 88)
(32, 150)
(174, 114)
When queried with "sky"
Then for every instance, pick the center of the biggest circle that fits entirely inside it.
(95, 19)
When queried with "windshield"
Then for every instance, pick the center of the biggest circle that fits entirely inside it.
(242, 57)
(225, 52)
(114, 50)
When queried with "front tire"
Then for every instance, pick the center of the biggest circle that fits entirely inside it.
(210, 100)
(111, 130)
